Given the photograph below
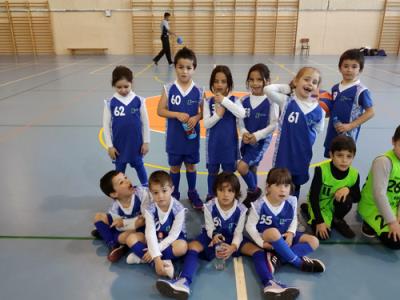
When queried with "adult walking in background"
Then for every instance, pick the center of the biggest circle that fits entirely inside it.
(165, 32)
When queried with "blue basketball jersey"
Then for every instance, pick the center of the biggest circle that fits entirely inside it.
(348, 105)
(226, 227)
(222, 139)
(297, 134)
(267, 219)
(188, 102)
(126, 128)
(256, 118)
(130, 212)
(163, 227)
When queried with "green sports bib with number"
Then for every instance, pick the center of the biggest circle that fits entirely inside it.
(367, 207)
(328, 189)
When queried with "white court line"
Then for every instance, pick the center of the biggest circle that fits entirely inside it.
(35, 75)
(241, 289)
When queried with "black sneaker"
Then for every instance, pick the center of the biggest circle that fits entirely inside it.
(312, 265)
(155, 62)
(341, 226)
(367, 230)
(304, 211)
(273, 262)
(252, 196)
(95, 233)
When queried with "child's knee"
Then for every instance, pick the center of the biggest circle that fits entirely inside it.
(179, 247)
(271, 235)
(249, 249)
(312, 241)
(175, 169)
(196, 246)
(242, 168)
(133, 238)
(100, 217)
(190, 167)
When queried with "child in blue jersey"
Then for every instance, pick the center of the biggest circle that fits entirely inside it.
(220, 114)
(272, 224)
(124, 217)
(352, 103)
(165, 228)
(181, 104)
(256, 128)
(224, 221)
(300, 121)
(126, 125)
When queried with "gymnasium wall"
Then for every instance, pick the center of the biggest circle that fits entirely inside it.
(331, 25)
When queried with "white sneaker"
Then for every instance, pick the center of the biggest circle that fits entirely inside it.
(133, 259)
(169, 268)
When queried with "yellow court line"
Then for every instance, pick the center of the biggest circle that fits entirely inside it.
(34, 75)
(137, 74)
(107, 66)
(158, 79)
(103, 144)
(241, 289)
(282, 66)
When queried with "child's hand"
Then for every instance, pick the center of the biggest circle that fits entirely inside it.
(145, 149)
(218, 98)
(113, 153)
(139, 222)
(341, 194)
(252, 139)
(343, 127)
(192, 122)
(218, 238)
(288, 236)
(183, 117)
(159, 265)
(246, 137)
(220, 110)
(322, 231)
(118, 223)
(227, 250)
(394, 231)
(147, 257)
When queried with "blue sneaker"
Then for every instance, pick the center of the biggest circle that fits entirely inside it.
(176, 288)
(195, 200)
(276, 290)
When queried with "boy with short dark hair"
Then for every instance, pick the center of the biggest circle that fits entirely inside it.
(124, 218)
(181, 104)
(352, 103)
(334, 189)
(165, 228)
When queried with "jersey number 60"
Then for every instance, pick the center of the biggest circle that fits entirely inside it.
(176, 100)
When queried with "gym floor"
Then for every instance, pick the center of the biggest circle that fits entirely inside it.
(52, 157)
